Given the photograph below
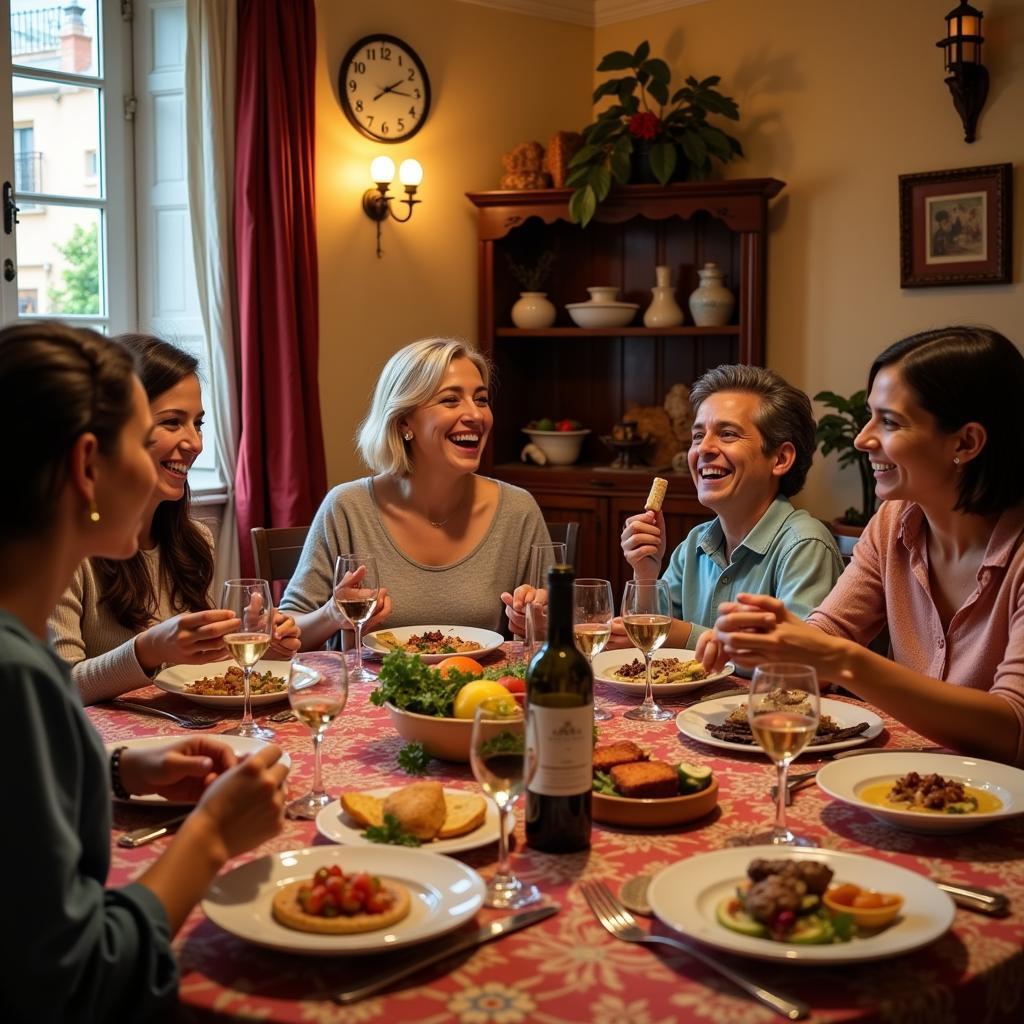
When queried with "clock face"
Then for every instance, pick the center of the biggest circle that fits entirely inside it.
(384, 89)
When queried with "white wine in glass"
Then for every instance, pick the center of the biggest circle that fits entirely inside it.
(647, 618)
(251, 603)
(356, 591)
(783, 711)
(592, 614)
(317, 692)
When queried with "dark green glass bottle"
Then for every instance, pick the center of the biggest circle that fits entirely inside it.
(560, 730)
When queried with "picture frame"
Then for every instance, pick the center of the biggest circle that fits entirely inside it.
(956, 227)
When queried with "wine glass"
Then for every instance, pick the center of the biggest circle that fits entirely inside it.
(317, 692)
(251, 603)
(503, 766)
(542, 557)
(356, 588)
(783, 712)
(647, 616)
(592, 614)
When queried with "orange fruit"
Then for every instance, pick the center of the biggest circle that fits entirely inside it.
(459, 663)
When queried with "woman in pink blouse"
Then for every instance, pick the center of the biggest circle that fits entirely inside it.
(941, 563)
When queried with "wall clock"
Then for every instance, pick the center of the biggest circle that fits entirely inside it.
(384, 88)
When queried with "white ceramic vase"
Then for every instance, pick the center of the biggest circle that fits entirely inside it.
(663, 311)
(711, 303)
(533, 310)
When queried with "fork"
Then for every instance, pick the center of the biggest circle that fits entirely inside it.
(186, 719)
(793, 783)
(620, 922)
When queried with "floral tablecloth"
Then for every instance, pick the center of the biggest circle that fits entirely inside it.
(568, 969)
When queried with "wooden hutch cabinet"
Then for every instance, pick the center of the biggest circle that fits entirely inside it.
(593, 374)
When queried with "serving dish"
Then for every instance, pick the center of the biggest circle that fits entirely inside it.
(446, 738)
(602, 314)
(562, 447)
(445, 893)
(487, 639)
(844, 780)
(655, 813)
(607, 661)
(684, 896)
(176, 679)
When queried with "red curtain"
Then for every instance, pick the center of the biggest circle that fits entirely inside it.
(281, 475)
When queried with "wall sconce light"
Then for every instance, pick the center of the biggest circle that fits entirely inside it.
(968, 77)
(377, 201)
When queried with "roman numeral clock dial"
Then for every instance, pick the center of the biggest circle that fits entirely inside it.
(384, 88)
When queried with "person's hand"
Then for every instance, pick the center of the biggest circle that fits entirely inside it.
(709, 652)
(348, 586)
(619, 638)
(179, 771)
(244, 806)
(286, 636)
(516, 605)
(643, 544)
(192, 638)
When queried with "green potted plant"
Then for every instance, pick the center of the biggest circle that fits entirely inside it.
(646, 120)
(835, 433)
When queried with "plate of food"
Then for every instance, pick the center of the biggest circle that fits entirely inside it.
(723, 723)
(220, 683)
(800, 906)
(943, 793)
(241, 745)
(397, 896)
(433, 643)
(633, 790)
(673, 670)
(437, 818)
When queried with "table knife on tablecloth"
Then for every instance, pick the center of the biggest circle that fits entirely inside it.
(141, 836)
(495, 930)
(857, 751)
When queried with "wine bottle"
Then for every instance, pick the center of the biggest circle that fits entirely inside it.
(560, 730)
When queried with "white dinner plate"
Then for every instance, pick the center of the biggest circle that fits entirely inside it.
(177, 678)
(693, 721)
(445, 893)
(337, 826)
(685, 895)
(486, 638)
(844, 780)
(239, 744)
(607, 661)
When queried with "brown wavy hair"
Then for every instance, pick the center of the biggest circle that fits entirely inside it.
(186, 561)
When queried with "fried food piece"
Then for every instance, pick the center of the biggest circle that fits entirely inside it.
(659, 486)
(815, 875)
(607, 757)
(464, 812)
(419, 808)
(644, 779)
(363, 809)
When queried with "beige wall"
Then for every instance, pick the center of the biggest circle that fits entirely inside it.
(838, 99)
(834, 101)
(497, 79)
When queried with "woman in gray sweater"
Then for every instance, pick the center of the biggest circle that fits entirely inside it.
(447, 541)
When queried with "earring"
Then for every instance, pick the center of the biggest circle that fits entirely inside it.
(956, 460)
(407, 436)
(94, 514)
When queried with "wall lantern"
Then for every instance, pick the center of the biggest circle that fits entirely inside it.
(968, 77)
(377, 201)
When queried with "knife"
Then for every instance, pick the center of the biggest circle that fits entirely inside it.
(141, 836)
(717, 696)
(856, 751)
(495, 930)
(972, 897)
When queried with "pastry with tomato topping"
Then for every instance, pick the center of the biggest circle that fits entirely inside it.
(334, 903)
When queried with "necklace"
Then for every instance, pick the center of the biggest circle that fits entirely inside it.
(438, 525)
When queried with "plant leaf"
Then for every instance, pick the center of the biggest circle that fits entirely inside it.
(659, 90)
(577, 176)
(663, 160)
(657, 69)
(694, 148)
(601, 182)
(619, 161)
(582, 206)
(617, 60)
(607, 88)
(641, 52)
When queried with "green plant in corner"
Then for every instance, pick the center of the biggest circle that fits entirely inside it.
(835, 433)
(672, 126)
(531, 276)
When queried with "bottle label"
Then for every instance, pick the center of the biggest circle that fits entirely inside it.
(563, 739)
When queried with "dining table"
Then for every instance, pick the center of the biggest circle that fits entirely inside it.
(567, 968)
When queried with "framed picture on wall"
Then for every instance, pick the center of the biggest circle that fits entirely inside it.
(956, 226)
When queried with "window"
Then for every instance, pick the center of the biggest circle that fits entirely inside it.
(91, 165)
(28, 301)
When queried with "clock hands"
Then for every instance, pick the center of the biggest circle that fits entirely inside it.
(391, 88)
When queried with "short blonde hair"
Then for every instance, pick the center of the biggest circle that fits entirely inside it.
(409, 378)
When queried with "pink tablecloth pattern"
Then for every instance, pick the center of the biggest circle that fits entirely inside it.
(568, 969)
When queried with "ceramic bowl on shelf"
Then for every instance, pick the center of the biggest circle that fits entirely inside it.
(562, 447)
(603, 293)
(602, 314)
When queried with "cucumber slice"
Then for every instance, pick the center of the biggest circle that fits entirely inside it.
(693, 777)
(815, 930)
(739, 920)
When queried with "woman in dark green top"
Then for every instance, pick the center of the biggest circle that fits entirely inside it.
(78, 424)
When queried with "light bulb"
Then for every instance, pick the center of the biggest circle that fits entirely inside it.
(382, 170)
(410, 173)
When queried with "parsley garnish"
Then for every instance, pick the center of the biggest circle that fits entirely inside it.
(408, 684)
(390, 832)
(413, 758)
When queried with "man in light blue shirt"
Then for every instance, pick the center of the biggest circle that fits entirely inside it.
(753, 442)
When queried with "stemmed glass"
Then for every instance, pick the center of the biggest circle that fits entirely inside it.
(647, 616)
(251, 603)
(542, 557)
(356, 589)
(503, 764)
(592, 614)
(783, 712)
(317, 692)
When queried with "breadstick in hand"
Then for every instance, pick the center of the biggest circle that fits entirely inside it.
(659, 485)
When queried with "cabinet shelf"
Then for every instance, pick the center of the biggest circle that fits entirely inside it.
(616, 332)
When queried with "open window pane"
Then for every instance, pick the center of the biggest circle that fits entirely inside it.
(57, 37)
(60, 265)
